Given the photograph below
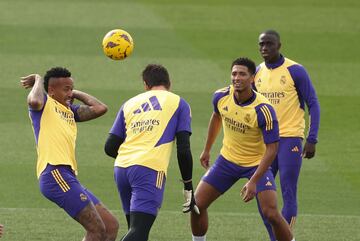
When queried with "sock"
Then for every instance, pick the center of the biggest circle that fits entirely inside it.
(199, 238)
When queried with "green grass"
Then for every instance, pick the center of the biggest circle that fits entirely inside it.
(196, 41)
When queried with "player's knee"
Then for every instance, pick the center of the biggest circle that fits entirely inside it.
(201, 203)
(272, 214)
(112, 229)
(98, 231)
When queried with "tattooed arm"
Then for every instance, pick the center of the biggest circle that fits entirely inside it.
(92, 107)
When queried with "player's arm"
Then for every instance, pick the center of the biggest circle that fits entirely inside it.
(116, 136)
(307, 92)
(249, 190)
(185, 162)
(112, 145)
(91, 107)
(213, 131)
(1, 230)
(184, 156)
(269, 126)
(35, 98)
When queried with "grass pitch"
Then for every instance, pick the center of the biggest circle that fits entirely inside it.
(196, 41)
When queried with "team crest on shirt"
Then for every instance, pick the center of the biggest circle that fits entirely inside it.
(283, 80)
(83, 197)
(247, 118)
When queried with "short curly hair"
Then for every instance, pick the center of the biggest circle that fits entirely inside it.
(55, 72)
(245, 62)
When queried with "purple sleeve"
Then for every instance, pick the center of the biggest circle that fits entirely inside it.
(268, 123)
(74, 109)
(35, 116)
(119, 128)
(307, 94)
(217, 96)
(184, 117)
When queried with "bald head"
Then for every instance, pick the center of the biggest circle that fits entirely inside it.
(272, 33)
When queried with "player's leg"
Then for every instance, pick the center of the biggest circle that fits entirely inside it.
(221, 176)
(205, 194)
(274, 170)
(59, 185)
(90, 219)
(111, 223)
(140, 225)
(290, 161)
(124, 189)
(267, 201)
(147, 191)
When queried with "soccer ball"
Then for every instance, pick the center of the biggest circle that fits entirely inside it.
(117, 44)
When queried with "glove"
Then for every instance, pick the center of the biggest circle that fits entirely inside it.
(189, 204)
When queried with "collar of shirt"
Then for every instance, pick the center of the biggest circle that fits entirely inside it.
(278, 63)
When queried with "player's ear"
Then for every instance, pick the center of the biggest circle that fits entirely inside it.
(50, 90)
(252, 78)
(146, 87)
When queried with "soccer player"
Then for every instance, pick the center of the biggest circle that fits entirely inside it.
(141, 140)
(1, 230)
(54, 118)
(288, 87)
(250, 144)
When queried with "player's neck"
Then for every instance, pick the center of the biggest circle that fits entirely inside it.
(243, 96)
(273, 60)
(159, 87)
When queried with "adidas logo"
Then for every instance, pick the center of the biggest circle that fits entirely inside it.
(295, 149)
(153, 105)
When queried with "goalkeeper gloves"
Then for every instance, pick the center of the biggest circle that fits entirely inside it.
(189, 204)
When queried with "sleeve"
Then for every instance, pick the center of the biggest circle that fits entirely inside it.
(74, 109)
(307, 94)
(268, 123)
(112, 145)
(217, 96)
(184, 155)
(119, 126)
(184, 117)
(215, 101)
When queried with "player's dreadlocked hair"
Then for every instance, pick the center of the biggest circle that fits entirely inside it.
(245, 62)
(155, 75)
(56, 72)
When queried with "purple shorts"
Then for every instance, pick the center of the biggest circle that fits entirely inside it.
(141, 189)
(223, 174)
(59, 185)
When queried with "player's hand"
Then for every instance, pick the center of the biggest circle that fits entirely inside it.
(29, 81)
(309, 150)
(248, 192)
(189, 204)
(205, 159)
(1, 230)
